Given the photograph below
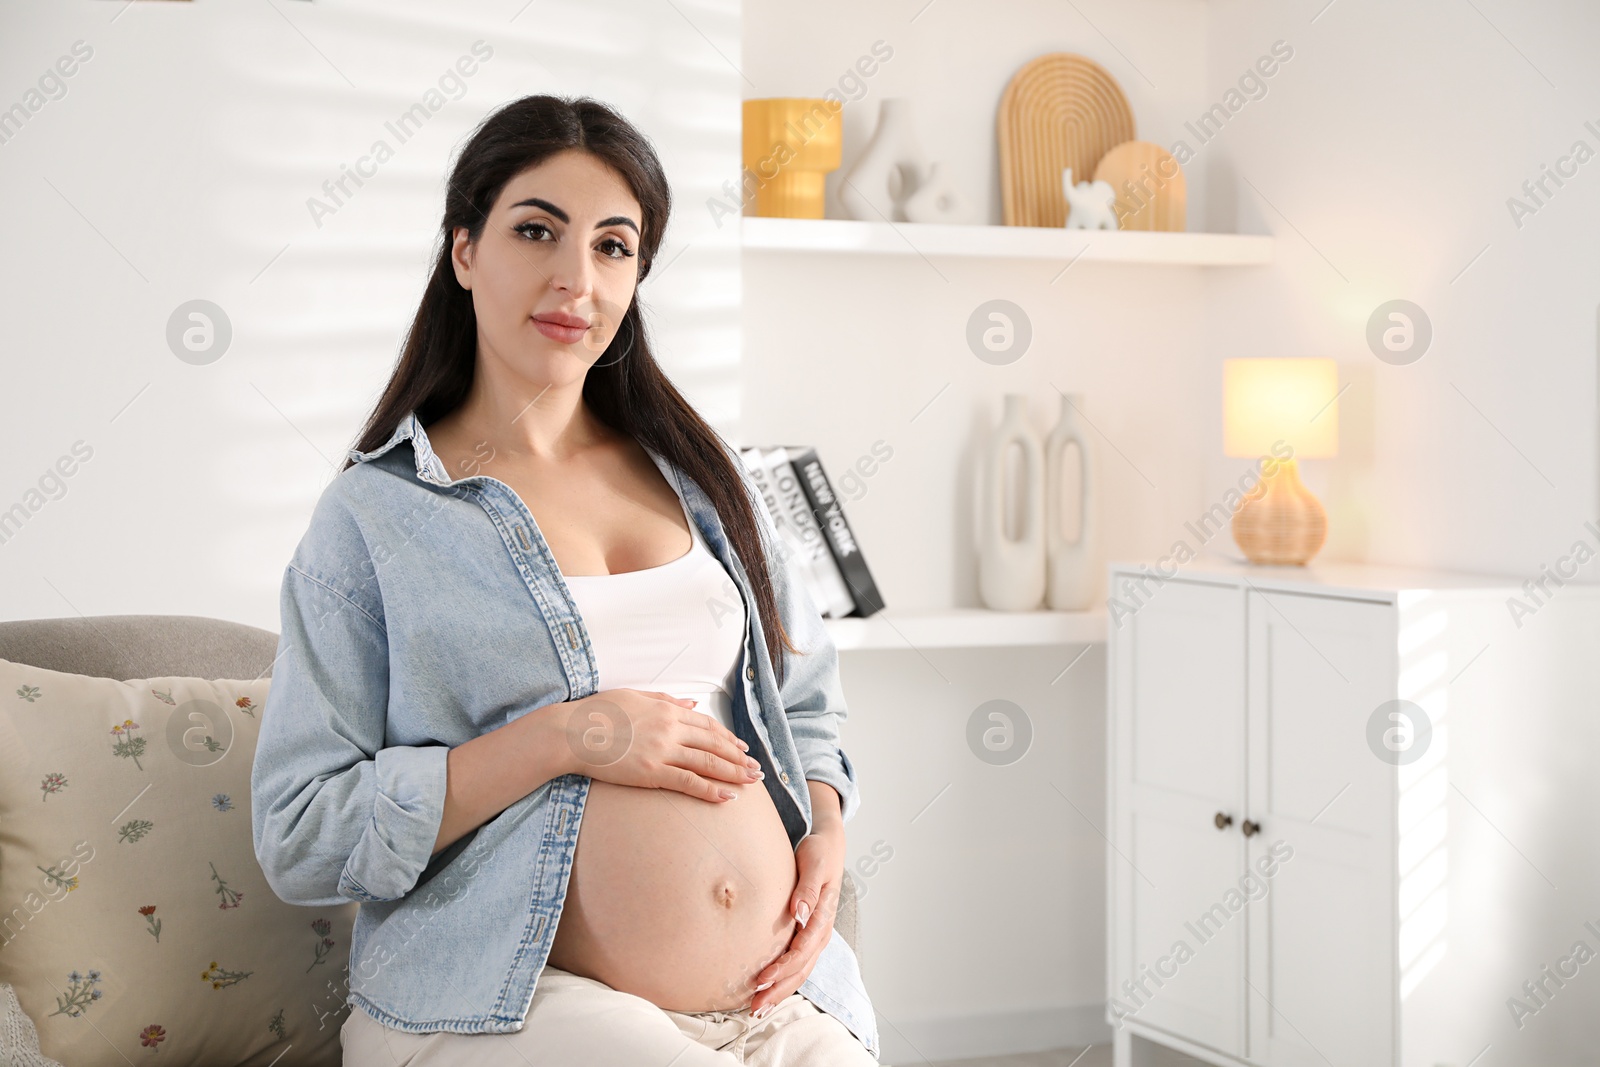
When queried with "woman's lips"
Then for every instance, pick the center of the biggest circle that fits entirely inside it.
(565, 334)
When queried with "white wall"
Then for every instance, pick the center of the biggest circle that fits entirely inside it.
(985, 932)
(178, 165)
(1386, 151)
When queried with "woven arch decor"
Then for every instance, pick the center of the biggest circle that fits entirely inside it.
(1060, 110)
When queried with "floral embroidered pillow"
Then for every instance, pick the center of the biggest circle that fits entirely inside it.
(134, 918)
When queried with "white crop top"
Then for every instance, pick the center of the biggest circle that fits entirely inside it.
(677, 628)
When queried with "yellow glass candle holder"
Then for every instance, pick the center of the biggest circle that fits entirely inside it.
(790, 145)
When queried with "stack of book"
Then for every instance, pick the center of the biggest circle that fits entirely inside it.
(813, 535)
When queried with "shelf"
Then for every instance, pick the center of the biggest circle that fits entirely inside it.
(1004, 242)
(967, 628)
(1332, 577)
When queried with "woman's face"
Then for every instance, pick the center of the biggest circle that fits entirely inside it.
(561, 242)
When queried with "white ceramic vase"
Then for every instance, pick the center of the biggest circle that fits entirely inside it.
(1072, 566)
(878, 184)
(935, 199)
(1011, 571)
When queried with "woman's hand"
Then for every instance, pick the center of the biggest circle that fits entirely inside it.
(819, 866)
(655, 741)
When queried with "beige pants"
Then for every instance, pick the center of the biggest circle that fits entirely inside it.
(575, 1020)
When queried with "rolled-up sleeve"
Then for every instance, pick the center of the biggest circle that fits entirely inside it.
(335, 815)
(812, 693)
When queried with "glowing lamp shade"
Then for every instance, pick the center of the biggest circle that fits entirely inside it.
(1290, 400)
(1283, 410)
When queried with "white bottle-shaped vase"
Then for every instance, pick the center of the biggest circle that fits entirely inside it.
(1073, 565)
(1011, 571)
(878, 184)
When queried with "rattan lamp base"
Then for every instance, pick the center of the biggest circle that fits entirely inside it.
(1281, 522)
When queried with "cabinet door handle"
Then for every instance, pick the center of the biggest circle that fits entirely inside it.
(1249, 828)
(1223, 821)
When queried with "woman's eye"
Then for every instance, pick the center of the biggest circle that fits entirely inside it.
(527, 228)
(615, 248)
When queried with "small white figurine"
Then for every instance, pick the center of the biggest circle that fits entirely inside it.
(1090, 205)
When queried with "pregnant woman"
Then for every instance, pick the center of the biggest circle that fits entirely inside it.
(548, 703)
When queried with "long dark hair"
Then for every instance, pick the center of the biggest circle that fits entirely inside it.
(625, 388)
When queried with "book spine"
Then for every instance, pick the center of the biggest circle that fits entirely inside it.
(788, 546)
(831, 596)
(828, 513)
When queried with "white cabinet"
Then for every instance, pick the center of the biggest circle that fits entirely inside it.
(1181, 749)
(1321, 963)
(1298, 875)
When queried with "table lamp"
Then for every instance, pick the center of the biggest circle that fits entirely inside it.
(1268, 404)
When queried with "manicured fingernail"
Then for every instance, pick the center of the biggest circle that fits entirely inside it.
(743, 743)
(762, 1012)
(762, 986)
(803, 912)
(756, 774)
(728, 794)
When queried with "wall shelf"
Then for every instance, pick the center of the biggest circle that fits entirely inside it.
(909, 629)
(1004, 242)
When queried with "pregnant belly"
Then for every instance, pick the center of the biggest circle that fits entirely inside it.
(676, 899)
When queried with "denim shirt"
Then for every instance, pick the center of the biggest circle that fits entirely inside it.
(419, 612)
